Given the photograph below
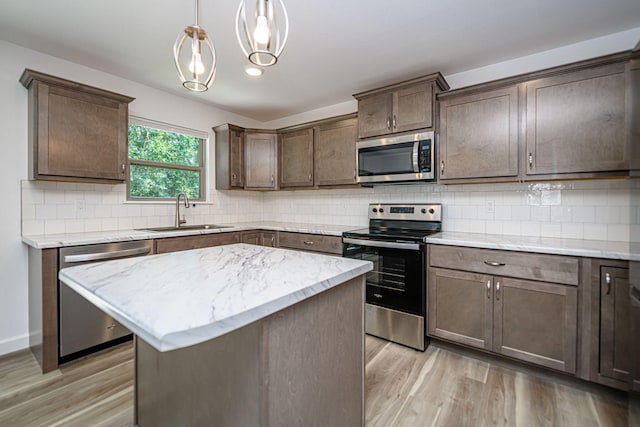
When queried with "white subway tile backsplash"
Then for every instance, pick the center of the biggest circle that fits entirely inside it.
(599, 210)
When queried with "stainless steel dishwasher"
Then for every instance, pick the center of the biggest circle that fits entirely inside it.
(84, 328)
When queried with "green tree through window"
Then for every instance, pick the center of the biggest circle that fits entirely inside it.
(164, 163)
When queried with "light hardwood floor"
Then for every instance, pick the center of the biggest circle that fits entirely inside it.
(404, 387)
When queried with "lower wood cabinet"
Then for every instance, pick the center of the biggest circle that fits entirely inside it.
(533, 321)
(311, 242)
(175, 244)
(260, 237)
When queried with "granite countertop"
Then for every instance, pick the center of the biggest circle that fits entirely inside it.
(574, 247)
(183, 298)
(90, 238)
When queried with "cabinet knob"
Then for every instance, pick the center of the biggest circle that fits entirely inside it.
(607, 280)
(488, 289)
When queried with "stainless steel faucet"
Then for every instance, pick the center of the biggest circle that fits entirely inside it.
(186, 205)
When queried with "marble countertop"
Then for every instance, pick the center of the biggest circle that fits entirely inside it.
(575, 247)
(183, 298)
(90, 238)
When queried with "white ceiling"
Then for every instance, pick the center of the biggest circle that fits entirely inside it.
(336, 47)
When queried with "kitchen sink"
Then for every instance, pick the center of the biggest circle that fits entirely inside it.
(186, 227)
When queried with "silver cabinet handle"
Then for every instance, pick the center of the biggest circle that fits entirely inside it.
(111, 327)
(530, 160)
(442, 167)
(308, 242)
(498, 291)
(233, 178)
(395, 122)
(495, 263)
(272, 179)
(388, 123)
(488, 289)
(123, 168)
(607, 280)
(309, 177)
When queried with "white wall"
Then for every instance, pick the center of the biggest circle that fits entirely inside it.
(590, 210)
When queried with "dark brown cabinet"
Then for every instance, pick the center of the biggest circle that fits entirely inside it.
(335, 153)
(77, 132)
(295, 149)
(472, 300)
(577, 122)
(175, 244)
(616, 357)
(479, 135)
(400, 107)
(260, 155)
(260, 238)
(229, 161)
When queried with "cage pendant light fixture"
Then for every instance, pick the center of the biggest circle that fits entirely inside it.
(263, 36)
(195, 57)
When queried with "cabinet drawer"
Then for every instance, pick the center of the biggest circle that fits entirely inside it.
(311, 242)
(548, 268)
(174, 244)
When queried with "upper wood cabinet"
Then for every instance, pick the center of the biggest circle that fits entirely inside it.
(400, 107)
(295, 149)
(229, 159)
(479, 135)
(577, 122)
(76, 132)
(574, 121)
(260, 155)
(335, 153)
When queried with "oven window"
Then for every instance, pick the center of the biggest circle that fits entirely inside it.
(397, 278)
(386, 160)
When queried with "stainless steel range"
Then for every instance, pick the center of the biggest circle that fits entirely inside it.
(396, 287)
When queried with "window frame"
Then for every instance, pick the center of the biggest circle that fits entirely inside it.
(202, 169)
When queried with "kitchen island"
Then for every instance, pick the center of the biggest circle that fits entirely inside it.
(238, 334)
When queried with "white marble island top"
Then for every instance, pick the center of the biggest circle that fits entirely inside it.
(184, 298)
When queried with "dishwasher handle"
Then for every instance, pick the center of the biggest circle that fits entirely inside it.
(101, 256)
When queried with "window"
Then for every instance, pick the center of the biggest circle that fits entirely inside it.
(165, 161)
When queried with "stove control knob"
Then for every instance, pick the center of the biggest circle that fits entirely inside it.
(375, 210)
(424, 211)
(432, 211)
(381, 210)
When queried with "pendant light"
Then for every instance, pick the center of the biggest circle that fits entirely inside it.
(195, 57)
(262, 38)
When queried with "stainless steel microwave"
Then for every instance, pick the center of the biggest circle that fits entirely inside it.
(396, 159)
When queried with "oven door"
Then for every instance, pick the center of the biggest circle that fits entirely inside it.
(398, 275)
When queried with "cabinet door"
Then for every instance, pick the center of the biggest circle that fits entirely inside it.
(479, 135)
(236, 157)
(260, 160)
(175, 244)
(460, 307)
(335, 153)
(374, 115)
(616, 357)
(576, 122)
(536, 322)
(296, 158)
(79, 135)
(413, 108)
(269, 238)
(251, 237)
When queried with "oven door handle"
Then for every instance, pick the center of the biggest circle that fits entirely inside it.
(380, 244)
(414, 156)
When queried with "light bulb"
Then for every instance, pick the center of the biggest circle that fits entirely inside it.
(261, 33)
(196, 66)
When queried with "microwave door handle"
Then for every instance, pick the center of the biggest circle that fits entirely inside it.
(414, 156)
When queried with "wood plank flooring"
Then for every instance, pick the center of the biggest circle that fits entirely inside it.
(404, 387)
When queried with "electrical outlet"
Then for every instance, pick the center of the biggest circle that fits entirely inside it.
(491, 206)
(80, 206)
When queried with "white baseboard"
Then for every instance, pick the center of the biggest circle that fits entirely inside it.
(12, 344)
